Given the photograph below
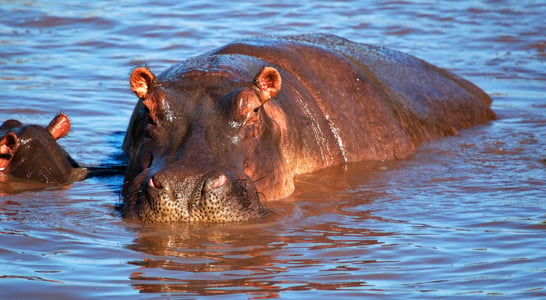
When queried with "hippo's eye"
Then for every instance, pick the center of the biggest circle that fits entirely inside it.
(258, 108)
(247, 104)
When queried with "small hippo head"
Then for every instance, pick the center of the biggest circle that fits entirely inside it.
(32, 152)
(204, 146)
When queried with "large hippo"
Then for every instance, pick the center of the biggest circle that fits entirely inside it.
(214, 136)
(32, 152)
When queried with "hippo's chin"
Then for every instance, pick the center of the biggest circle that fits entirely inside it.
(212, 200)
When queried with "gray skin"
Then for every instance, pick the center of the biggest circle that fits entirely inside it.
(215, 135)
(32, 152)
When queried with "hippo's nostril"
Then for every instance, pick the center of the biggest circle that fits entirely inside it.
(154, 183)
(216, 182)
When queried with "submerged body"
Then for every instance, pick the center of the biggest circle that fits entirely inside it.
(215, 135)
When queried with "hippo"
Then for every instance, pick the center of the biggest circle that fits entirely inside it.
(32, 152)
(214, 137)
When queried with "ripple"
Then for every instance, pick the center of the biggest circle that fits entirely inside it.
(463, 216)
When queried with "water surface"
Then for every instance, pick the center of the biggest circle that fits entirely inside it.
(463, 217)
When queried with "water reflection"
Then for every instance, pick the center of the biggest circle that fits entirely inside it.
(226, 259)
(13, 185)
(306, 245)
(464, 217)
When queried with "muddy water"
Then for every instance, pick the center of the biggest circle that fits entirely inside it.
(463, 217)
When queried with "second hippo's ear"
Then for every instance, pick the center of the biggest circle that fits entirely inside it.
(269, 83)
(142, 81)
(8, 146)
(59, 126)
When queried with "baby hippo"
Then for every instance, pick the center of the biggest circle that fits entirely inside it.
(32, 152)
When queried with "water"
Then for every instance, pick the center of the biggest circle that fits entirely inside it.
(464, 217)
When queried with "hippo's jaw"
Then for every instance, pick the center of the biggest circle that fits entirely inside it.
(211, 199)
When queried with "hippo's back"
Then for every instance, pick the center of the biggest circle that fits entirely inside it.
(380, 103)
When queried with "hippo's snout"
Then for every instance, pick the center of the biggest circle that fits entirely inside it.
(215, 182)
(154, 183)
(167, 196)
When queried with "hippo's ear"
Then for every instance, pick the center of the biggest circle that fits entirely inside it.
(269, 83)
(9, 124)
(8, 146)
(59, 126)
(142, 81)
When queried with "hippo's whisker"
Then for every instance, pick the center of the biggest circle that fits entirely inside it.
(261, 178)
(263, 195)
(241, 184)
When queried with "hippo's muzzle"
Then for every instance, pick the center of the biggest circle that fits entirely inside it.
(166, 196)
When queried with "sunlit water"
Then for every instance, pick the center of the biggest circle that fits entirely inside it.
(463, 217)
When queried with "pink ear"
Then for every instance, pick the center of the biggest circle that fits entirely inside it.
(8, 146)
(59, 126)
(142, 81)
(269, 83)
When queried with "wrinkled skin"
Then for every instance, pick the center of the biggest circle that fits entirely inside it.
(32, 152)
(213, 136)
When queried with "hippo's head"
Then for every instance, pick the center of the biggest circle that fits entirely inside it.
(32, 152)
(204, 146)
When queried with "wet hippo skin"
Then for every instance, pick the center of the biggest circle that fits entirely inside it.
(32, 152)
(213, 137)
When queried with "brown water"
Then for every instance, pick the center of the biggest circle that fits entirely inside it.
(463, 217)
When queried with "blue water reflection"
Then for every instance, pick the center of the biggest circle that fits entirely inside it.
(463, 217)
